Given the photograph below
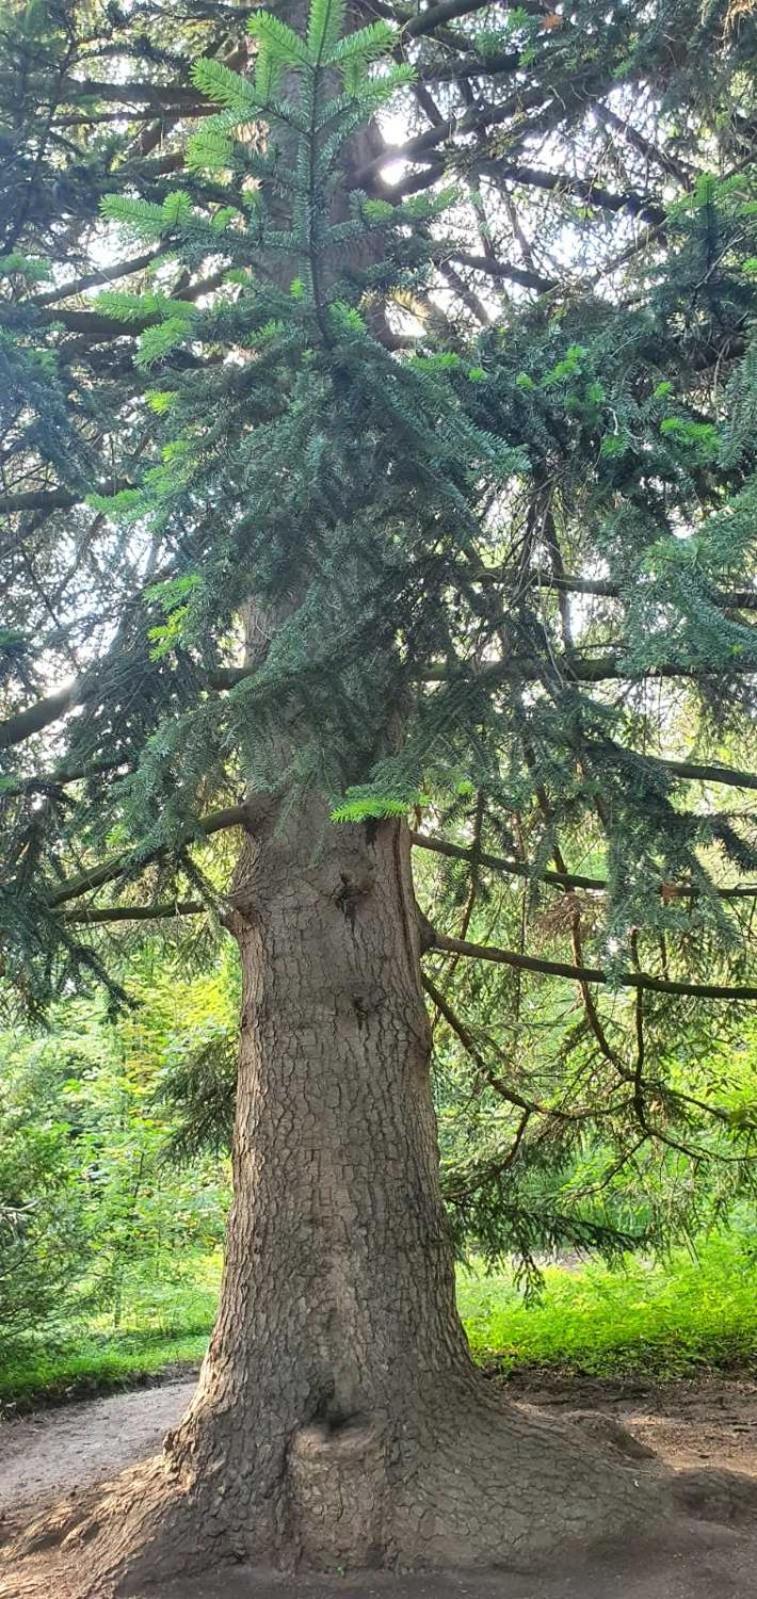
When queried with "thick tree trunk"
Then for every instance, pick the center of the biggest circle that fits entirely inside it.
(339, 1420)
(338, 1299)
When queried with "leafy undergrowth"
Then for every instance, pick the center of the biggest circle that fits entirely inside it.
(655, 1321)
(167, 1326)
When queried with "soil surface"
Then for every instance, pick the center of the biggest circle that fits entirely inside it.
(708, 1423)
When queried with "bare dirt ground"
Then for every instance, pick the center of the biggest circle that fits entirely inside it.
(708, 1423)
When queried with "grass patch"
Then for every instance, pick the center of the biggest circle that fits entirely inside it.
(34, 1372)
(167, 1324)
(657, 1321)
(666, 1320)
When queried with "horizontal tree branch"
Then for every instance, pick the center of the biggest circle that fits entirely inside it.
(39, 500)
(100, 279)
(710, 773)
(458, 69)
(420, 22)
(585, 974)
(48, 782)
(98, 326)
(604, 669)
(138, 913)
(516, 868)
(502, 863)
(474, 121)
(571, 583)
(56, 499)
(583, 189)
(170, 98)
(118, 865)
(494, 268)
(526, 669)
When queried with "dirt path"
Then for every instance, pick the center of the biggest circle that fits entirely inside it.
(45, 1455)
(709, 1423)
(42, 1456)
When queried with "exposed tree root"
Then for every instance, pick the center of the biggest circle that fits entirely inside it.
(492, 1485)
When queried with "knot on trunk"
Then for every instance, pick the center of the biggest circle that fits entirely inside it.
(352, 889)
(337, 1474)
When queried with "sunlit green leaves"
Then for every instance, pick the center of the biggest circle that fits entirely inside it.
(145, 219)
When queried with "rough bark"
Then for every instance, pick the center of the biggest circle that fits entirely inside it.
(339, 1420)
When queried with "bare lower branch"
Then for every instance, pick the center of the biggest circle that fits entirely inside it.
(589, 974)
(118, 865)
(516, 868)
(138, 913)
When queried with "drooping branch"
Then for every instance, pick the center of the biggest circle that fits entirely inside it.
(586, 974)
(503, 1089)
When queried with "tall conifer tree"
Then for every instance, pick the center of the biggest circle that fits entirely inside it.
(382, 486)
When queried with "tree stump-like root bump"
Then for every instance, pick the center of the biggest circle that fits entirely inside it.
(486, 1486)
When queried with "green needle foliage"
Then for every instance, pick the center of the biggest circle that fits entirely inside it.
(467, 460)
